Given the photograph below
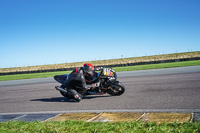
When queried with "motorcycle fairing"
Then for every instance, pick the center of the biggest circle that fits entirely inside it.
(61, 78)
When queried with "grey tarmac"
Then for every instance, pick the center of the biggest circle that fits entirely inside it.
(158, 90)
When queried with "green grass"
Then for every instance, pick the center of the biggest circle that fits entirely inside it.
(173, 56)
(97, 127)
(32, 75)
(117, 69)
(158, 66)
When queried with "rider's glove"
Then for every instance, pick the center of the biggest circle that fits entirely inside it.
(91, 88)
(94, 85)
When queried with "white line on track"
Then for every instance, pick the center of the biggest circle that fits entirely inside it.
(99, 111)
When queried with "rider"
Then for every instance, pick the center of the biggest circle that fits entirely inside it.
(82, 78)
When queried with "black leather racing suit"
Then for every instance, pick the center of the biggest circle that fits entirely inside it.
(77, 80)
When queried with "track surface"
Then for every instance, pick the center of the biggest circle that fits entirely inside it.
(162, 89)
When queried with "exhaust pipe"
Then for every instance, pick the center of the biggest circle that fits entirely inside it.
(61, 89)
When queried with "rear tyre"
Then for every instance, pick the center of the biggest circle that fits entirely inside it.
(117, 89)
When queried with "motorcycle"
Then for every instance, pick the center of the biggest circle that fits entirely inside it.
(105, 82)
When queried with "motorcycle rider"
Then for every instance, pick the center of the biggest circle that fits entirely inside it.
(82, 78)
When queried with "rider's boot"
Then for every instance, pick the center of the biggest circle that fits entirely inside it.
(76, 96)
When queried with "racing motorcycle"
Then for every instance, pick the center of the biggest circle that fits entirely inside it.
(105, 80)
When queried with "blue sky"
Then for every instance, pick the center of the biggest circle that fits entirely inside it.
(38, 32)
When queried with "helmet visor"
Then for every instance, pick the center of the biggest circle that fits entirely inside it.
(90, 72)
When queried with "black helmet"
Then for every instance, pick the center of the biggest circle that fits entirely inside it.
(88, 69)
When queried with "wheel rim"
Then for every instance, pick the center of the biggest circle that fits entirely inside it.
(116, 89)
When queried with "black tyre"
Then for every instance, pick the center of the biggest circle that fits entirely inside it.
(117, 89)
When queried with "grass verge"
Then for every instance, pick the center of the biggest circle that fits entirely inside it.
(158, 66)
(173, 56)
(117, 69)
(95, 127)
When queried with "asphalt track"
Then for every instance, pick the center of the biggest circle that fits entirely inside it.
(158, 90)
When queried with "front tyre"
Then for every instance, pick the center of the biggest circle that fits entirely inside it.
(116, 89)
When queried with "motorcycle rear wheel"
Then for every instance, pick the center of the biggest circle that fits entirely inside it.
(117, 89)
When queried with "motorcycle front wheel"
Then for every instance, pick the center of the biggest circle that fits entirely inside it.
(117, 89)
